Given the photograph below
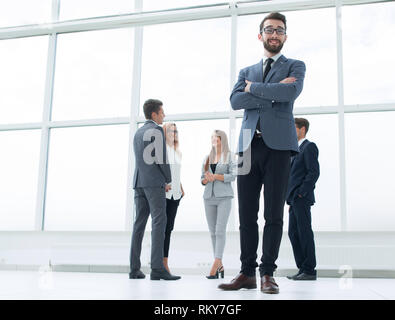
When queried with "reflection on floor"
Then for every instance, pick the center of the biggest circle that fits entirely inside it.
(70, 285)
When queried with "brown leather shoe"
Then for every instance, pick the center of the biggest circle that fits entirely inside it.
(241, 281)
(268, 285)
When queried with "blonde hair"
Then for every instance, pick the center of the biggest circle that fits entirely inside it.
(166, 127)
(224, 149)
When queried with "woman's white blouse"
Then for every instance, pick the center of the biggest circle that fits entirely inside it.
(174, 159)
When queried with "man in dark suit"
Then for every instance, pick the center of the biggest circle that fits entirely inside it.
(151, 181)
(266, 91)
(305, 171)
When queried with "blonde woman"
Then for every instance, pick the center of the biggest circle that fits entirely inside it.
(218, 171)
(176, 192)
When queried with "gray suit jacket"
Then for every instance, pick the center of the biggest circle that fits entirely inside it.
(269, 102)
(221, 188)
(152, 168)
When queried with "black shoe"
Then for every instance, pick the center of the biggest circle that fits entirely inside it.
(162, 274)
(305, 276)
(295, 275)
(220, 271)
(136, 274)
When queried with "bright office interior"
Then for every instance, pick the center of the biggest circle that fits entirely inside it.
(74, 76)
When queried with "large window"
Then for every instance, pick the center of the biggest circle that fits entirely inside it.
(93, 75)
(324, 132)
(22, 79)
(311, 38)
(22, 12)
(195, 144)
(326, 211)
(370, 171)
(369, 59)
(18, 178)
(77, 9)
(150, 5)
(186, 65)
(70, 99)
(87, 173)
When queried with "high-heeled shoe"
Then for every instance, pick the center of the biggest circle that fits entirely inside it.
(220, 271)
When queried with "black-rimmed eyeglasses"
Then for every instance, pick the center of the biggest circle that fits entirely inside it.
(270, 30)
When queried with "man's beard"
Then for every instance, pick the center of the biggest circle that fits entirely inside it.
(273, 49)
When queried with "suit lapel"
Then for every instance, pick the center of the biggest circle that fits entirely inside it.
(303, 145)
(293, 160)
(277, 65)
(258, 72)
(301, 148)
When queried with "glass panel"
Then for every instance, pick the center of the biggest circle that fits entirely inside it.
(191, 215)
(19, 163)
(22, 79)
(311, 38)
(87, 174)
(93, 74)
(77, 9)
(326, 210)
(369, 62)
(182, 72)
(150, 5)
(370, 171)
(22, 12)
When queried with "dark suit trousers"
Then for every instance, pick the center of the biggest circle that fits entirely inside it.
(171, 211)
(270, 168)
(301, 235)
(148, 201)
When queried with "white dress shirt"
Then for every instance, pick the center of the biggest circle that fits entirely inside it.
(275, 58)
(174, 159)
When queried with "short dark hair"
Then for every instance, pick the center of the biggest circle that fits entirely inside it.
(302, 122)
(275, 16)
(151, 105)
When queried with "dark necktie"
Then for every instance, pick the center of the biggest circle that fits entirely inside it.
(267, 68)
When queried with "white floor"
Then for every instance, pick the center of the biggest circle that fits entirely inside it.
(28, 285)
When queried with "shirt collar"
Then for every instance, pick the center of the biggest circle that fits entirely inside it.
(152, 121)
(275, 57)
(301, 141)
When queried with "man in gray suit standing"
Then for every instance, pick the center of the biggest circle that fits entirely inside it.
(151, 180)
(266, 91)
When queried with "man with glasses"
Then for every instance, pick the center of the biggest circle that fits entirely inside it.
(266, 91)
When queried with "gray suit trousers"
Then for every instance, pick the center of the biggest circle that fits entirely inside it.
(217, 214)
(149, 200)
